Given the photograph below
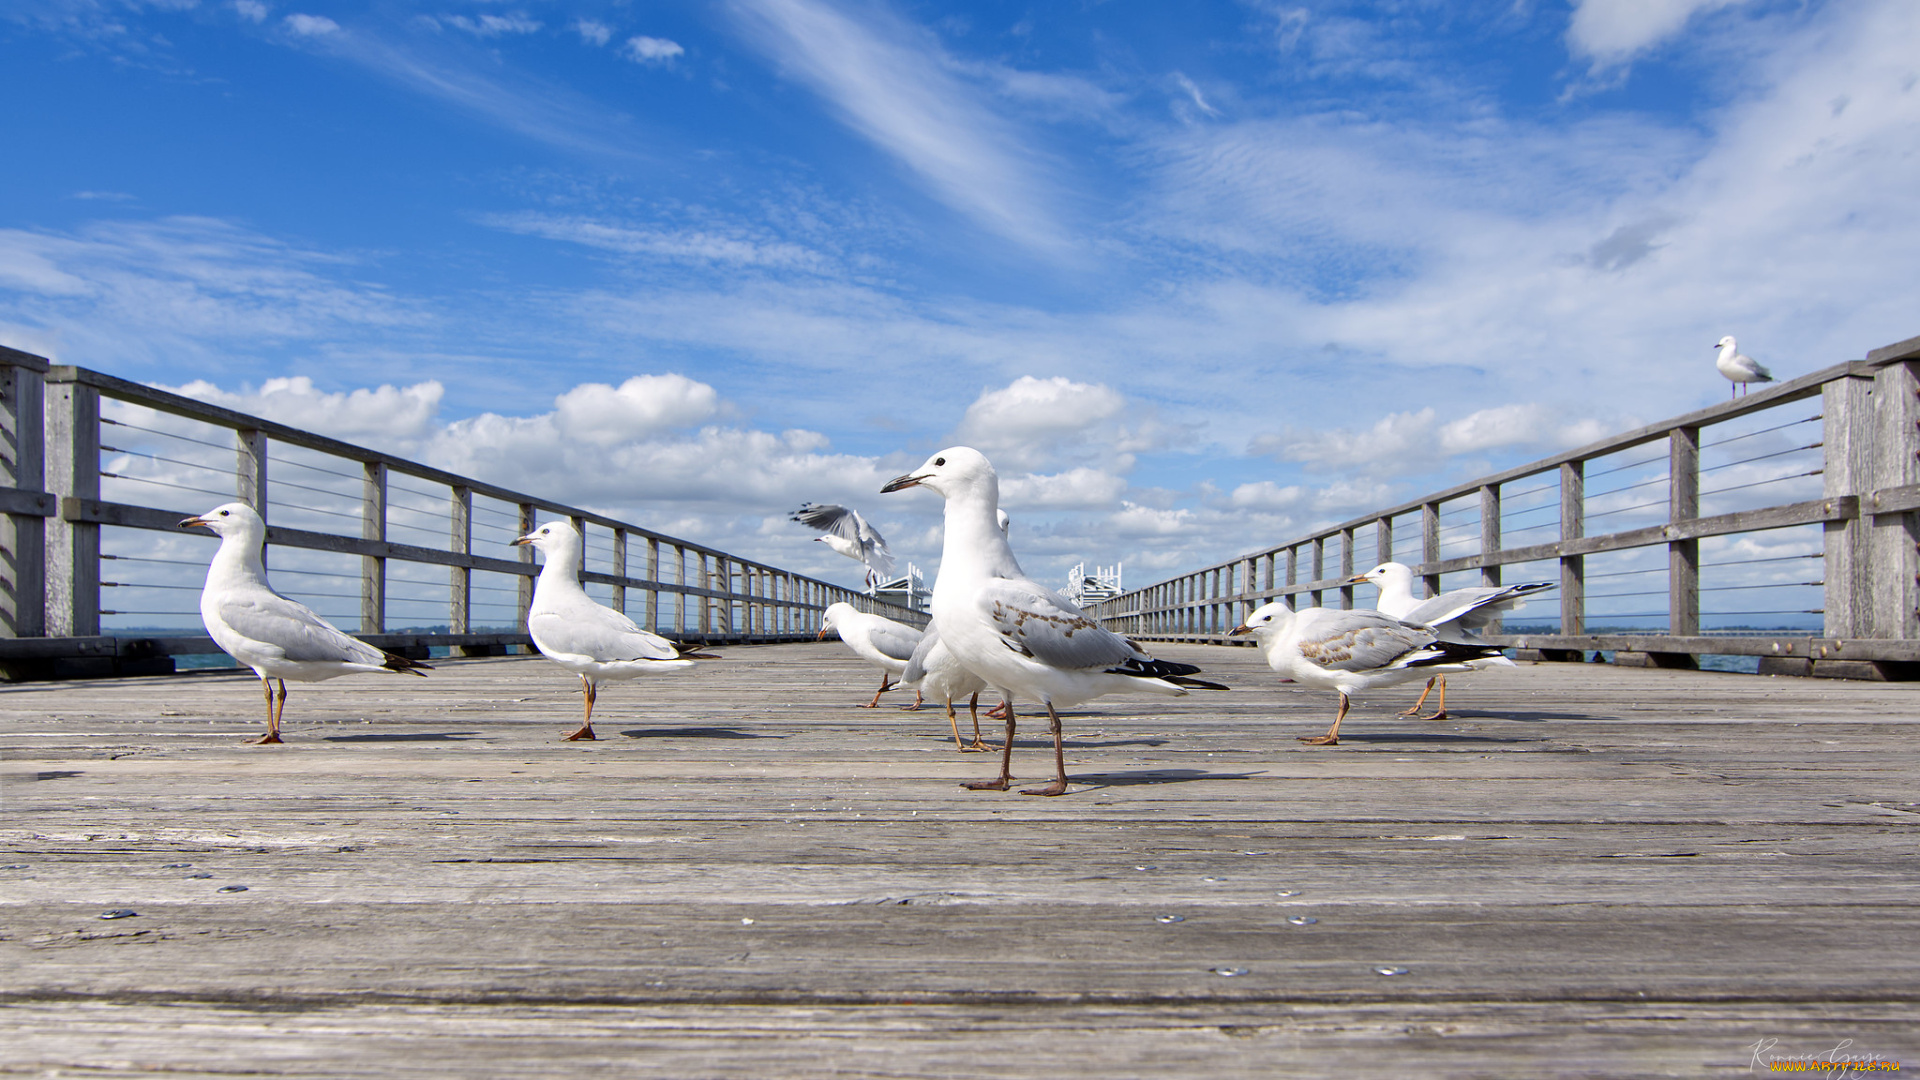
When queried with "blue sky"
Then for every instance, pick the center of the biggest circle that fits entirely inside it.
(1196, 276)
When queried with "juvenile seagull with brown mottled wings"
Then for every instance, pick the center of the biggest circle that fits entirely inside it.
(1350, 651)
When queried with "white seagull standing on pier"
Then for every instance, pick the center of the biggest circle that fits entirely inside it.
(278, 638)
(1738, 367)
(1458, 615)
(849, 534)
(584, 636)
(1351, 651)
(1020, 636)
(876, 639)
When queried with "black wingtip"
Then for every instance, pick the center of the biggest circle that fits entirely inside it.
(1148, 668)
(1195, 684)
(396, 662)
(1455, 652)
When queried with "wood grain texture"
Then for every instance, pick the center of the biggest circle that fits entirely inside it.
(1589, 871)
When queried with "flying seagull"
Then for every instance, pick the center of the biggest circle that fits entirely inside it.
(1458, 615)
(875, 639)
(1350, 651)
(849, 534)
(1023, 638)
(278, 638)
(584, 636)
(1738, 367)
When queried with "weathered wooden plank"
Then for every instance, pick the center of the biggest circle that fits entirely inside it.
(1587, 861)
(12, 357)
(72, 550)
(1573, 568)
(28, 503)
(1893, 540)
(1683, 555)
(1847, 406)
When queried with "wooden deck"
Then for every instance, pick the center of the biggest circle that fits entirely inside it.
(1590, 871)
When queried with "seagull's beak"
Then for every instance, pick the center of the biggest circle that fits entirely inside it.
(196, 523)
(901, 482)
(1243, 628)
(822, 635)
(1357, 579)
(525, 541)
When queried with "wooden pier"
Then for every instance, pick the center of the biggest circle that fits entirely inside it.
(1588, 871)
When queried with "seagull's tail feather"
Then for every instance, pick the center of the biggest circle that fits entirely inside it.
(1148, 668)
(396, 662)
(1455, 652)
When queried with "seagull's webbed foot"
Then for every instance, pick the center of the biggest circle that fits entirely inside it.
(1320, 740)
(1058, 787)
(1001, 784)
(1441, 715)
(585, 734)
(975, 747)
(269, 737)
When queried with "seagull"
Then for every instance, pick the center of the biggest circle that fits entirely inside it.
(1738, 367)
(1458, 615)
(935, 670)
(849, 534)
(584, 636)
(1349, 651)
(874, 638)
(278, 638)
(1021, 637)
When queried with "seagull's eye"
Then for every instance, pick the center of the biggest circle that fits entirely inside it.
(939, 461)
(224, 513)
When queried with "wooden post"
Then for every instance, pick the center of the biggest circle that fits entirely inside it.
(23, 537)
(460, 578)
(1573, 568)
(250, 468)
(373, 568)
(1490, 534)
(620, 570)
(525, 590)
(72, 472)
(1383, 540)
(1893, 540)
(1846, 409)
(1319, 566)
(679, 597)
(1683, 556)
(653, 574)
(1346, 569)
(1430, 543)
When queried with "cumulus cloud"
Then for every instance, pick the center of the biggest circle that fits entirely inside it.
(1024, 423)
(251, 10)
(642, 49)
(388, 415)
(642, 406)
(1075, 489)
(311, 25)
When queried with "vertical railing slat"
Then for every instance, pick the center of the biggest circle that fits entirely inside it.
(72, 472)
(23, 608)
(373, 568)
(1683, 556)
(1573, 568)
(460, 578)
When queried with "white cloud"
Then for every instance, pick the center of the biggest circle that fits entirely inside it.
(1075, 489)
(251, 10)
(1023, 423)
(592, 31)
(651, 50)
(1415, 442)
(311, 25)
(894, 85)
(390, 415)
(679, 244)
(642, 406)
(1612, 31)
(1134, 520)
(488, 26)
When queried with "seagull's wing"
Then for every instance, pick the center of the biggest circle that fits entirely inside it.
(602, 633)
(917, 663)
(873, 547)
(301, 635)
(848, 525)
(1361, 641)
(1035, 621)
(895, 640)
(1473, 607)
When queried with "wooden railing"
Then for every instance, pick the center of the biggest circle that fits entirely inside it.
(1869, 477)
(51, 479)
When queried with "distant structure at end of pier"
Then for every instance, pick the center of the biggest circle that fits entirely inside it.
(1084, 588)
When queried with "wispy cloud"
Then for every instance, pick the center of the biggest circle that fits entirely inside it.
(891, 82)
(491, 26)
(642, 49)
(679, 245)
(592, 31)
(1611, 32)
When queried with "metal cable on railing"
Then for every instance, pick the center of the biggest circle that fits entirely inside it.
(105, 449)
(162, 483)
(1761, 431)
(227, 446)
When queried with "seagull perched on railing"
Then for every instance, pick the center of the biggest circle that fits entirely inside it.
(584, 636)
(1350, 651)
(1020, 636)
(1458, 615)
(849, 534)
(1738, 367)
(278, 638)
(875, 639)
